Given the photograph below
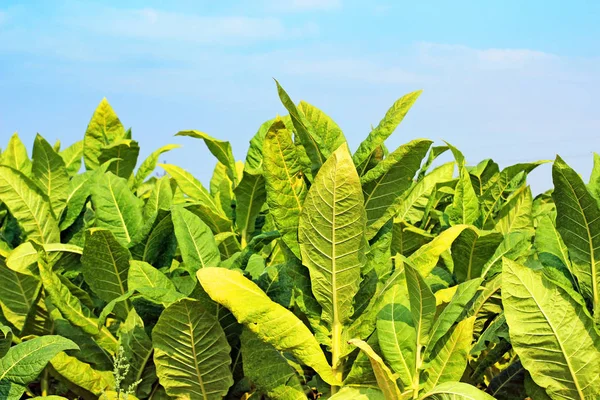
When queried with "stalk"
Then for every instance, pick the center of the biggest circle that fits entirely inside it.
(336, 366)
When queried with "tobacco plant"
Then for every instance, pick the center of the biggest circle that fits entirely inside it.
(305, 271)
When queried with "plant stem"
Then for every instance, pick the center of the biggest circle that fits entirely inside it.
(44, 383)
(336, 368)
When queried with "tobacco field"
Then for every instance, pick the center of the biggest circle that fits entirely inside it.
(306, 271)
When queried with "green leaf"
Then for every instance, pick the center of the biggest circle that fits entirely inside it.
(191, 353)
(426, 258)
(29, 206)
(550, 246)
(161, 197)
(385, 378)
(272, 322)
(72, 156)
(384, 184)
(407, 238)
(516, 214)
(24, 362)
(578, 221)
(449, 356)
(80, 188)
(471, 250)
(323, 127)
(23, 259)
(219, 148)
(332, 242)
(285, 184)
(508, 384)
(196, 241)
(117, 209)
(50, 171)
(159, 247)
(415, 200)
(562, 356)
(310, 141)
(397, 336)
(388, 124)
(422, 307)
(152, 283)
(269, 370)
(18, 295)
(15, 155)
(124, 152)
(250, 196)
(82, 374)
(515, 245)
(465, 205)
(456, 391)
(254, 158)
(358, 393)
(149, 164)
(104, 129)
(105, 265)
(193, 188)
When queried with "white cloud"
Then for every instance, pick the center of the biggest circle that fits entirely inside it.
(304, 5)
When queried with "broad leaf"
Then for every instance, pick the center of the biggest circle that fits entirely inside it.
(149, 164)
(191, 353)
(15, 155)
(72, 156)
(563, 355)
(104, 128)
(471, 250)
(124, 152)
(516, 214)
(329, 133)
(250, 196)
(193, 188)
(196, 241)
(385, 378)
(50, 171)
(465, 205)
(18, 295)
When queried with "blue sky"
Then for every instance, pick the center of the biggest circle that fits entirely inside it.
(510, 80)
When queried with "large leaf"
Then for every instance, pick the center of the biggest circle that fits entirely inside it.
(422, 308)
(104, 128)
(82, 374)
(562, 356)
(549, 244)
(105, 265)
(388, 124)
(15, 155)
(161, 197)
(50, 171)
(191, 352)
(24, 362)
(149, 164)
(516, 214)
(465, 205)
(285, 184)
(384, 184)
(578, 221)
(272, 322)
(250, 196)
(426, 258)
(332, 242)
(124, 154)
(117, 209)
(196, 241)
(29, 206)
(152, 283)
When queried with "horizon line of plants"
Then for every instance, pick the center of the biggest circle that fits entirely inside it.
(305, 271)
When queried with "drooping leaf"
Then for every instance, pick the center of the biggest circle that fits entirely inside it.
(50, 171)
(284, 180)
(82, 374)
(29, 206)
(117, 209)
(149, 164)
(219, 148)
(191, 352)
(563, 355)
(384, 184)
(272, 323)
(388, 124)
(104, 128)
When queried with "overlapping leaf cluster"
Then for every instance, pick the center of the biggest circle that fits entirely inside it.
(306, 271)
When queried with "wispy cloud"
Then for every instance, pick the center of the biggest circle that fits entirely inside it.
(304, 5)
(153, 24)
